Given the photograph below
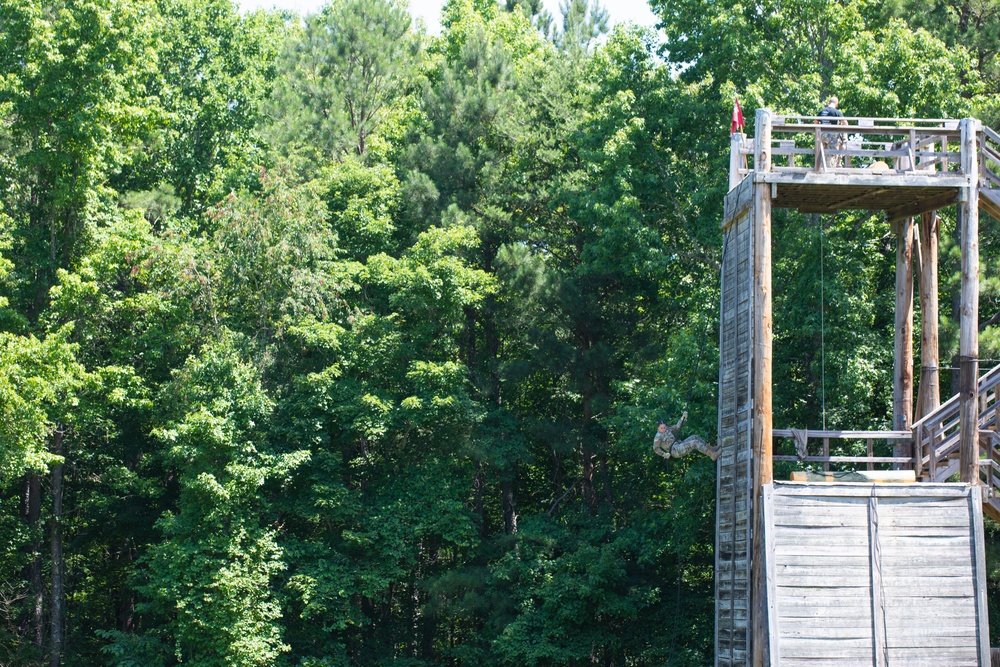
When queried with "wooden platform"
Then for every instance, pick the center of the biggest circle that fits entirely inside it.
(898, 196)
(875, 575)
(901, 166)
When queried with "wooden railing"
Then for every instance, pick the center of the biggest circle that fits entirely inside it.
(930, 147)
(825, 437)
(989, 158)
(934, 441)
(989, 472)
(936, 435)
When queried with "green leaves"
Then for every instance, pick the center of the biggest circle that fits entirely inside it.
(74, 107)
(363, 202)
(209, 579)
(39, 385)
(341, 72)
(356, 338)
(216, 68)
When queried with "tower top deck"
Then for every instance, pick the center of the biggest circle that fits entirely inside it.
(903, 166)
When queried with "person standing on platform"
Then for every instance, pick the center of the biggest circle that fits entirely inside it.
(832, 115)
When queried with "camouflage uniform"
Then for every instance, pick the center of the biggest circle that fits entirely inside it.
(665, 442)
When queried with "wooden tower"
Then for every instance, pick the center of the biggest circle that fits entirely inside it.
(855, 573)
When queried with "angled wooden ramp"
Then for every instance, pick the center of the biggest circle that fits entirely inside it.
(875, 575)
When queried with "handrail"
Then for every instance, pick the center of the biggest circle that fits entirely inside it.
(826, 459)
(990, 134)
(989, 157)
(944, 123)
(873, 147)
(989, 472)
(858, 435)
(936, 436)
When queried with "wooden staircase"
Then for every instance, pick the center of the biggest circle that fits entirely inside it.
(935, 439)
(989, 201)
(989, 172)
(989, 434)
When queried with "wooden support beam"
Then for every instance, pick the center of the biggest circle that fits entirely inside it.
(918, 179)
(989, 201)
(968, 345)
(844, 435)
(879, 651)
(846, 459)
(902, 384)
(929, 391)
(982, 606)
(762, 417)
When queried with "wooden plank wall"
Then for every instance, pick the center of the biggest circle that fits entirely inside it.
(732, 554)
(876, 575)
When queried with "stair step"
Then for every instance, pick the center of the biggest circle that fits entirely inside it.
(989, 201)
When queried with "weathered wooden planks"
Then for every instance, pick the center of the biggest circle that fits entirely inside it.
(732, 564)
(876, 575)
(737, 201)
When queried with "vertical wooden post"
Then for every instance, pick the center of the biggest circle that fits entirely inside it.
(902, 395)
(736, 160)
(762, 425)
(968, 344)
(929, 393)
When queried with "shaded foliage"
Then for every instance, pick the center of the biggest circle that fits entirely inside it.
(327, 342)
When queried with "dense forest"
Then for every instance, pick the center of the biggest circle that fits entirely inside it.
(325, 341)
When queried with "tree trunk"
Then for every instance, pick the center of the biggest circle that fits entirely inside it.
(125, 599)
(588, 454)
(58, 566)
(31, 509)
(557, 473)
(606, 480)
(477, 485)
(509, 508)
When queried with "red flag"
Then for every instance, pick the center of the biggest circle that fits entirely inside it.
(737, 123)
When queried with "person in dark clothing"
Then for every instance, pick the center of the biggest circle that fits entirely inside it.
(831, 115)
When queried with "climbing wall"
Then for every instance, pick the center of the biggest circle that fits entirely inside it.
(732, 539)
(875, 575)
